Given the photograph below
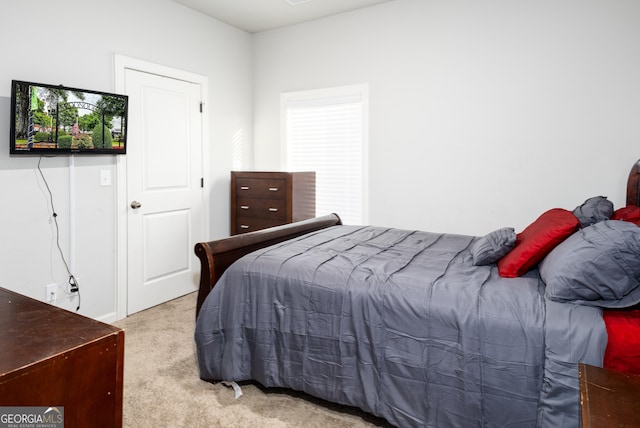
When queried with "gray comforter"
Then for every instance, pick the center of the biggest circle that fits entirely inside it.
(402, 325)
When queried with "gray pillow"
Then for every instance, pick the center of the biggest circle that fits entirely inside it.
(493, 246)
(594, 210)
(596, 266)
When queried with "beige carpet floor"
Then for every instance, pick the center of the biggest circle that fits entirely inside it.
(162, 387)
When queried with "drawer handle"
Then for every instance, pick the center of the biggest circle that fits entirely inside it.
(273, 189)
(244, 187)
(273, 210)
(244, 207)
(244, 226)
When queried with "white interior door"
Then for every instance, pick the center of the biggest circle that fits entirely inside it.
(164, 190)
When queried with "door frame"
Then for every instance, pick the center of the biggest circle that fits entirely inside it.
(121, 64)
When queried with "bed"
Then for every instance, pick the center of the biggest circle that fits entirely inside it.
(419, 328)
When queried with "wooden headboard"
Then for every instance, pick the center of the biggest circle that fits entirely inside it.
(633, 185)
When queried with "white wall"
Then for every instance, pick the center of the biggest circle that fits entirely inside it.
(483, 114)
(73, 42)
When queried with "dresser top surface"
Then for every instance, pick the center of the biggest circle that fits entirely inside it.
(609, 398)
(266, 174)
(32, 331)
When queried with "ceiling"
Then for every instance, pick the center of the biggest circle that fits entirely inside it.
(261, 15)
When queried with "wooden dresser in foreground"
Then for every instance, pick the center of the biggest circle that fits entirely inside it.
(265, 199)
(609, 398)
(56, 358)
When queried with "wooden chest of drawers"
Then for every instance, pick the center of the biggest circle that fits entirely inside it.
(52, 357)
(265, 199)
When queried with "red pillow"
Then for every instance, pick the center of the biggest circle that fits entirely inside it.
(537, 240)
(629, 213)
(623, 347)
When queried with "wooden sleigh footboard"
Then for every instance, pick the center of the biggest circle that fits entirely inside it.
(216, 256)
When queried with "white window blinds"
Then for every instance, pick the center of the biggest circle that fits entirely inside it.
(325, 131)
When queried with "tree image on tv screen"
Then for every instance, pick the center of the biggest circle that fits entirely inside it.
(60, 118)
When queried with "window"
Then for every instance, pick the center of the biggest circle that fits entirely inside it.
(326, 131)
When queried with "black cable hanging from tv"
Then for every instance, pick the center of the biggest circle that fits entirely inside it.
(74, 287)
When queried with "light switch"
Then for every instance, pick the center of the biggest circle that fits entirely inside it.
(105, 177)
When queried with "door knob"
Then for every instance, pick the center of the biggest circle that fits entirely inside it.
(135, 205)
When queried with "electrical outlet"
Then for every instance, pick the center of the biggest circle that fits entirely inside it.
(72, 288)
(51, 291)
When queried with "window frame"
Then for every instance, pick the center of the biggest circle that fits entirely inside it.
(324, 96)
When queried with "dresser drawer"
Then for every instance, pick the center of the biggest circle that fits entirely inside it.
(272, 188)
(275, 209)
(249, 224)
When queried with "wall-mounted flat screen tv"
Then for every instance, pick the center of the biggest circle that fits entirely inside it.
(49, 119)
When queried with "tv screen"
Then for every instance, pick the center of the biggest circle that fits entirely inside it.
(49, 119)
